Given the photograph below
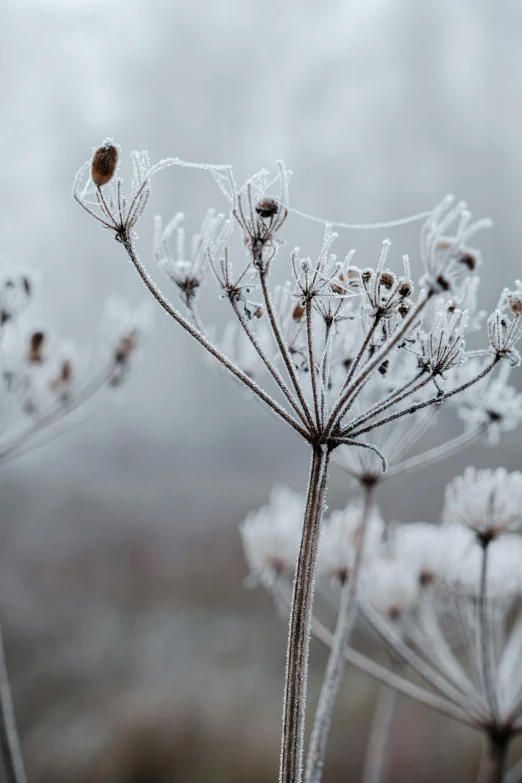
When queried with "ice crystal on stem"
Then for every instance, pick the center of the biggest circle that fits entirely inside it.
(347, 350)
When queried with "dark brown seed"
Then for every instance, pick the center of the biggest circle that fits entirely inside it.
(104, 164)
(298, 312)
(387, 279)
(366, 276)
(405, 288)
(35, 347)
(267, 208)
(426, 578)
(66, 373)
(125, 348)
(469, 260)
(515, 304)
(443, 283)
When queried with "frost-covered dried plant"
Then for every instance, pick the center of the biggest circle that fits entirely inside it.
(347, 349)
(42, 382)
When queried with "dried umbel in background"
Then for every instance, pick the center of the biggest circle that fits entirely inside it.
(43, 381)
(348, 350)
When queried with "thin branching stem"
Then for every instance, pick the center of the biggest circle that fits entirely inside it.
(13, 448)
(283, 348)
(410, 658)
(266, 361)
(311, 361)
(376, 360)
(384, 405)
(433, 401)
(435, 454)
(200, 338)
(364, 347)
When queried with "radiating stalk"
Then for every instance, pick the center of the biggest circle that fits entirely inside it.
(294, 707)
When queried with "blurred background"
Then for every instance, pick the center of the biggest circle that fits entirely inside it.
(137, 655)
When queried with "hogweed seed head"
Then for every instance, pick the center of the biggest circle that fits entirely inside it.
(267, 208)
(104, 163)
(35, 355)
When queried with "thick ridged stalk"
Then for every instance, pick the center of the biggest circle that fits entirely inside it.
(294, 708)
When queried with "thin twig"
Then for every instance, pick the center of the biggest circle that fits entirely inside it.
(200, 338)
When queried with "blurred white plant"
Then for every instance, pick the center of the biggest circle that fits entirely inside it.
(446, 602)
(489, 502)
(271, 537)
(42, 382)
(326, 339)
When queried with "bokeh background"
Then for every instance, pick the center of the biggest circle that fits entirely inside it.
(137, 655)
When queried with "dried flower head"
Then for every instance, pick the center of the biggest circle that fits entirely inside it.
(271, 536)
(489, 502)
(267, 207)
(104, 163)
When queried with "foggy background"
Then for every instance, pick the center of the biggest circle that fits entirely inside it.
(137, 655)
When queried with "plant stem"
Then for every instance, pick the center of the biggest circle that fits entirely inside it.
(202, 340)
(12, 762)
(336, 661)
(485, 652)
(494, 762)
(377, 748)
(294, 707)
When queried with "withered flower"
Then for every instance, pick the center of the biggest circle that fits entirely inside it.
(104, 164)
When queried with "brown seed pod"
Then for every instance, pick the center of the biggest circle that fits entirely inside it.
(298, 312)
(468, 259)
(258, 312)
(515, 304)
(104, 164)
(405, 288)
(366, 276)
(387, 279)
(35, 347)
(267, 208)
(66, 371)
(126, 347)
(426, 577)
